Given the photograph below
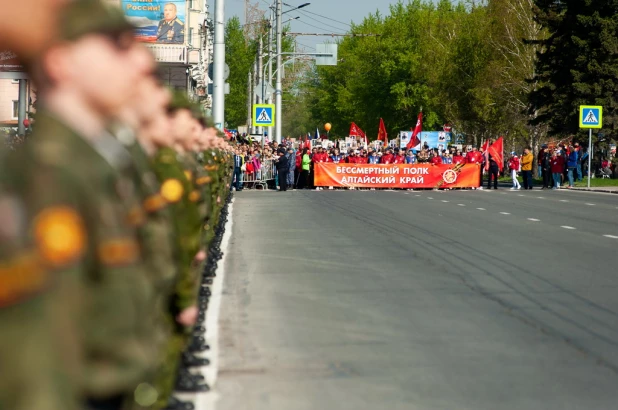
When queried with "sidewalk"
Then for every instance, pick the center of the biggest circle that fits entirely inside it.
(605, 189)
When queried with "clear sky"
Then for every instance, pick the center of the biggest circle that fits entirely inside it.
(343, 11)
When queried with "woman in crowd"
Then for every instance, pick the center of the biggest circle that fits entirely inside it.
(557, 167)
(514, 168)
(305, 166)
(410, 158)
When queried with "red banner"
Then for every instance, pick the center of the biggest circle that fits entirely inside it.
(397, 175)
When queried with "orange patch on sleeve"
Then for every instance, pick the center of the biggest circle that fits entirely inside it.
(60, 235)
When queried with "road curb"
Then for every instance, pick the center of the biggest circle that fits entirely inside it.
(606, 191)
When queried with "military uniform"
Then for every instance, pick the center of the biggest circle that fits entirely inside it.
(172, 32)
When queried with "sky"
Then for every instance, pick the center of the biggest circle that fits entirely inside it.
(343, 11)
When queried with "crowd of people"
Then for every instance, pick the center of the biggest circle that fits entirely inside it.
(558, 167)
(110, 220)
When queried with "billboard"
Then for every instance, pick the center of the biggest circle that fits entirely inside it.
(157, 21)
(433, 139)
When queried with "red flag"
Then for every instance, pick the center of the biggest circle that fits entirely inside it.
(485, 146)
(496, 150)
(382, 135)
(415, 140)
(355, 131)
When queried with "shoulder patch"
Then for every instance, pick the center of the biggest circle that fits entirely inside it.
(154, 203)
(211, 168)
(203, 180)
(195, 196)
(21, 277)
(118, 252)
(60, 235)
(172, 190)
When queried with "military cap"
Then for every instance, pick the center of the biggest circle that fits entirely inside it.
(84, 17)
(180, 101)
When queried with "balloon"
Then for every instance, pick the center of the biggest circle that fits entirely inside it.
(327, 126)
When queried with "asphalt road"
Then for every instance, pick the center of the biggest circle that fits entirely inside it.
(421, 300)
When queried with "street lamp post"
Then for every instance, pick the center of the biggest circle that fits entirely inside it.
(279, 85)
(218, 100)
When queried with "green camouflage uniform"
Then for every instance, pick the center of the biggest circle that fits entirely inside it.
(79, 203)
(186, 220)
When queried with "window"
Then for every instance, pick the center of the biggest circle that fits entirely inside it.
(190, 42)
(15, 109)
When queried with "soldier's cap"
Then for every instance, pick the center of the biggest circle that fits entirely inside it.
(180, 101)
(83, 17)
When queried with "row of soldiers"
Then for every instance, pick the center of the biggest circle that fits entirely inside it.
(108, 214)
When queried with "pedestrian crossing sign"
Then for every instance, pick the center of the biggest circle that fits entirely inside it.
(263, 115)
(590, 116)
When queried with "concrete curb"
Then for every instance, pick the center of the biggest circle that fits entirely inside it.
(606, 191)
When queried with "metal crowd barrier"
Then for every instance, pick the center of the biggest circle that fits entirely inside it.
(262, 177)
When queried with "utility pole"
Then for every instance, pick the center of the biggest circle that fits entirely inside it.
(249, 104)
(279, 86)
(259, 74)
(271, 41)
(219, 66)
(22, 104)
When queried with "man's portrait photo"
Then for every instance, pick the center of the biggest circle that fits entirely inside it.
(171, 30)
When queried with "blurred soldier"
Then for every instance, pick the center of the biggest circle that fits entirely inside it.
(79, 205)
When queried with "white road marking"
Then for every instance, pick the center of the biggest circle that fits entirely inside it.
(567, 227)
(534, 220)
(416, 195)
(429, 198)
(541, 197)
(521, 195)
(505, 213)
(590, 204)
(564, 200)
(481, 209)
(461, 204)
(611, 236)
(444, 200)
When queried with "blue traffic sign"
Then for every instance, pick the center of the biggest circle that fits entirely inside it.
(590, 116)
(263, 115)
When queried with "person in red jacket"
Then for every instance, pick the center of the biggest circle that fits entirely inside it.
(299, 165)
(514, 167)
(399, 157)
(458, 158)
(436, 159)
(351, 159)
(557, 168)
(387, 158)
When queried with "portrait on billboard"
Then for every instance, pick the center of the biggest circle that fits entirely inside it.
(157, 21)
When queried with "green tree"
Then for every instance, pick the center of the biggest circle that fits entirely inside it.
(577, 63)
(239, 55)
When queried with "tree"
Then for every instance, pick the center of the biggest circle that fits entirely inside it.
(240, 55)
(577, 63)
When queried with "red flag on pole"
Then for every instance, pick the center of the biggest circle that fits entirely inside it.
(485, 146)
(382, 135)
(415, 140)
(496, 150)
(355, 131)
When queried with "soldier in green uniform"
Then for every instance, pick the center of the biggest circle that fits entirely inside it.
(77, 205)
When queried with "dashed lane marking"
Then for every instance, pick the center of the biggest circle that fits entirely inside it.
(444, 201)
(505, 213)
(429, 197)
(521, 195)
(540, 197)
(534, 220)
(481, 209)
(611, 236)
(461, 204)
(564, 200)
(590, 204)
(567, 227)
